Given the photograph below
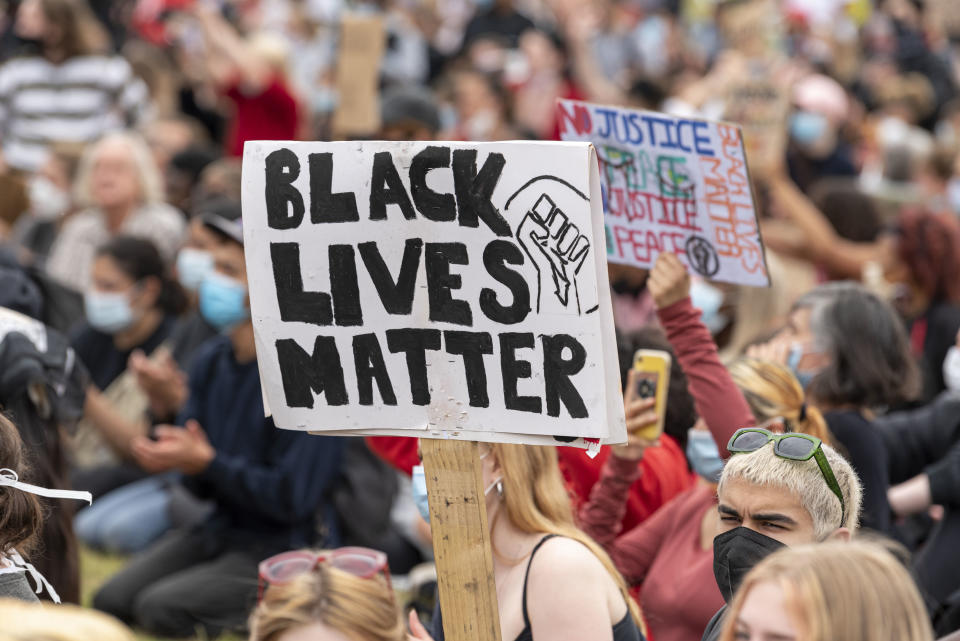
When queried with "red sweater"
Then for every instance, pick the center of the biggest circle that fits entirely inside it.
(273, 114)
(663, 555)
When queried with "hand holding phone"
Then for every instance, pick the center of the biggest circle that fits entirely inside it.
(651, 379)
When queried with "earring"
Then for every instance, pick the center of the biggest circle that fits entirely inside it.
(499, 487)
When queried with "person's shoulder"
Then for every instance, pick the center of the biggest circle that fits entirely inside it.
(854, 432)
(945, 316)
(84, 220)
(23, 66)
(845, 421)
(161, 213)
(561, 559)
(210, 350)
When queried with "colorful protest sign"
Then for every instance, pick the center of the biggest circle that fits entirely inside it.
(674, 185)
(447, 290)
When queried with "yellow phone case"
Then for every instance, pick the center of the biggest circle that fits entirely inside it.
(656, 365)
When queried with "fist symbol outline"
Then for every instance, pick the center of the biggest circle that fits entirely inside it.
(556, 247)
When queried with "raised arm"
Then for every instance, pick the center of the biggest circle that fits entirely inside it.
(821, 243)
(224, 41)
(719, 401)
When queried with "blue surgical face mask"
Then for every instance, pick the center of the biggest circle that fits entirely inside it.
(223, 301)
(793, 362)
(704, 455)
(419, 486)
(193, 265)
(708, 299)
(108, 312)
(807, 127)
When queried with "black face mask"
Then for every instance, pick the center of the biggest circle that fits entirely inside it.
(734, 555)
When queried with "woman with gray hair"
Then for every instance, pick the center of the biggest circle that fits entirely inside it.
(850, 351)
(121, 192)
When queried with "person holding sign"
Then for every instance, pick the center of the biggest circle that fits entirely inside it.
(553, 581)
(267, 485)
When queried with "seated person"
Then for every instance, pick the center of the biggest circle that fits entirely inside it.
(268, 486)
(120, 192)
(131, 305)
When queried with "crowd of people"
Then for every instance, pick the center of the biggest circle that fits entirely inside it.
(806, 486)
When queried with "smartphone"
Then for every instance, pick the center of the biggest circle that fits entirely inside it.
(651, 380)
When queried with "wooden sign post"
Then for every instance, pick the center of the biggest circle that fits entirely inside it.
(461, 540)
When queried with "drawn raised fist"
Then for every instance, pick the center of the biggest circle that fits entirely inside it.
(559, 251)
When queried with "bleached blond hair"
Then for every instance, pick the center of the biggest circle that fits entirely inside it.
(804, 480)
(151, 183)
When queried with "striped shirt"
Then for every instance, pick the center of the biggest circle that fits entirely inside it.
(77, 100)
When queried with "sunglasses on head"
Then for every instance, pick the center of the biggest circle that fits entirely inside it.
(794, 447)
(283, 568)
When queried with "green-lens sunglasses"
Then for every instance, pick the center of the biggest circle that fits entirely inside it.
(793, 446)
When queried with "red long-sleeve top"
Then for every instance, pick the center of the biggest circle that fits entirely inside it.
(664, 555)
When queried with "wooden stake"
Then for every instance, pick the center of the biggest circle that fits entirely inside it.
(461, 540)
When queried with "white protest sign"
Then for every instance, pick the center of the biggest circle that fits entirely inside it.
(453, 290)
(674, 185)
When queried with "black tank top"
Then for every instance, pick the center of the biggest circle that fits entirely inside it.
(623, 630)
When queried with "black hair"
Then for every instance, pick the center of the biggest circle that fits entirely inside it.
(681, 411)
(139, 258)
(870, 361)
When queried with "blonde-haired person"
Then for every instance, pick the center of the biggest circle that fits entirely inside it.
(668, 558)
(120, 191)
(40, 621)
(778, 490)
(853, 591)
(328, 604)
(553, 581)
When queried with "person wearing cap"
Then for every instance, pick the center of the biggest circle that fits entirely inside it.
(778, 490)
(267, 485)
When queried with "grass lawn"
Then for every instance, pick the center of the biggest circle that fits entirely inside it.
(95, 568)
